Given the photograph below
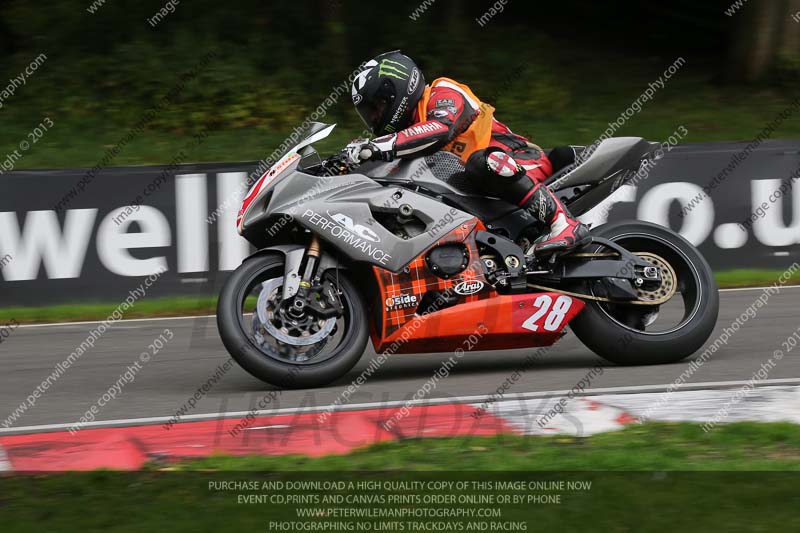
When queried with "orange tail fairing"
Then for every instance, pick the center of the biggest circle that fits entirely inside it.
(512, 321)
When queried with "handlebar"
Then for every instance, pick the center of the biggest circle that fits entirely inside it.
(336, 164)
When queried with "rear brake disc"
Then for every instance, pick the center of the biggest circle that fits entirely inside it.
(669, 281)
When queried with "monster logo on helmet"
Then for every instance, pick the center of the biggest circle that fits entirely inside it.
(386, 92)
(391, 68)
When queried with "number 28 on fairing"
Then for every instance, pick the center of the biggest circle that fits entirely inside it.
(548, 315)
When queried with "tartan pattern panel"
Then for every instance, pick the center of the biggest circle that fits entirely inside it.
(401, 292)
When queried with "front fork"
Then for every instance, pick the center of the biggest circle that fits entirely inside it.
(311, 258)
(312, 292)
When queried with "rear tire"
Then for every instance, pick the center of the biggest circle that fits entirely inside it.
(242, 347)
(619, 343)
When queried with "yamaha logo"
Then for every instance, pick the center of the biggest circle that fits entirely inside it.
(465, 288)
(357, 99)
(414, 81)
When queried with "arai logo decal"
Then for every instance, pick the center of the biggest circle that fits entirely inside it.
(414, 81)
(465, 288)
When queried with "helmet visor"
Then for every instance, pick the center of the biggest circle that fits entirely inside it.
(372, 112)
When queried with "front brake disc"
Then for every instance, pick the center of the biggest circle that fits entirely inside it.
(267, 306)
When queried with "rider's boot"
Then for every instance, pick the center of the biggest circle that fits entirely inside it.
(566, 233)
(498, 174)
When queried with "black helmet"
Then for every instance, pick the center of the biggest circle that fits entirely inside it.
(386, 91)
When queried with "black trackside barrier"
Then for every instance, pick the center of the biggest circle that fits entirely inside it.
(129, 222)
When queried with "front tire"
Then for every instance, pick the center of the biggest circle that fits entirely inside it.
(267, 365)
(616, 333)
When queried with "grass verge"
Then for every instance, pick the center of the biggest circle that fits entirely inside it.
(752, 278)
(743, 446)
(147, 308)
(676, 477)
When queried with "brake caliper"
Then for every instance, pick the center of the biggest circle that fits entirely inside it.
(324, 300)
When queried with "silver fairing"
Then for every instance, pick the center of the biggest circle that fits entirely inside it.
(340, 210)
(431, 173)
(610, 156)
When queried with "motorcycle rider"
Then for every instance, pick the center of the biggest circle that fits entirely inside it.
(412, 119)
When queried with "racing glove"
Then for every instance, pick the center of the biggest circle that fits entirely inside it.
(380, 149)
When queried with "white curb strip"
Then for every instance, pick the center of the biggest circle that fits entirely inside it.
(588, 415)
(5, 464)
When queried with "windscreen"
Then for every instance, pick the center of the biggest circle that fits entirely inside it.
(306, 130)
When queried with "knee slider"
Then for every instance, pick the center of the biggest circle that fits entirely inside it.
(496, 173)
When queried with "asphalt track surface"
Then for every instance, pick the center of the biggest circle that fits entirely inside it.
(186, 363)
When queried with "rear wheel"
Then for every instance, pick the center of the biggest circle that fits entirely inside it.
(276, 343)
(653, 334)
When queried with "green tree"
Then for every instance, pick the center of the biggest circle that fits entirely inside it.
(763, 38)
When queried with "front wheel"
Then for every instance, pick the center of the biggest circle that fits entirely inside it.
(648, 334)
(276, 343)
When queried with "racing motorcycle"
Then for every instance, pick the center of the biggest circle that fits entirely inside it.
(404, 253)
